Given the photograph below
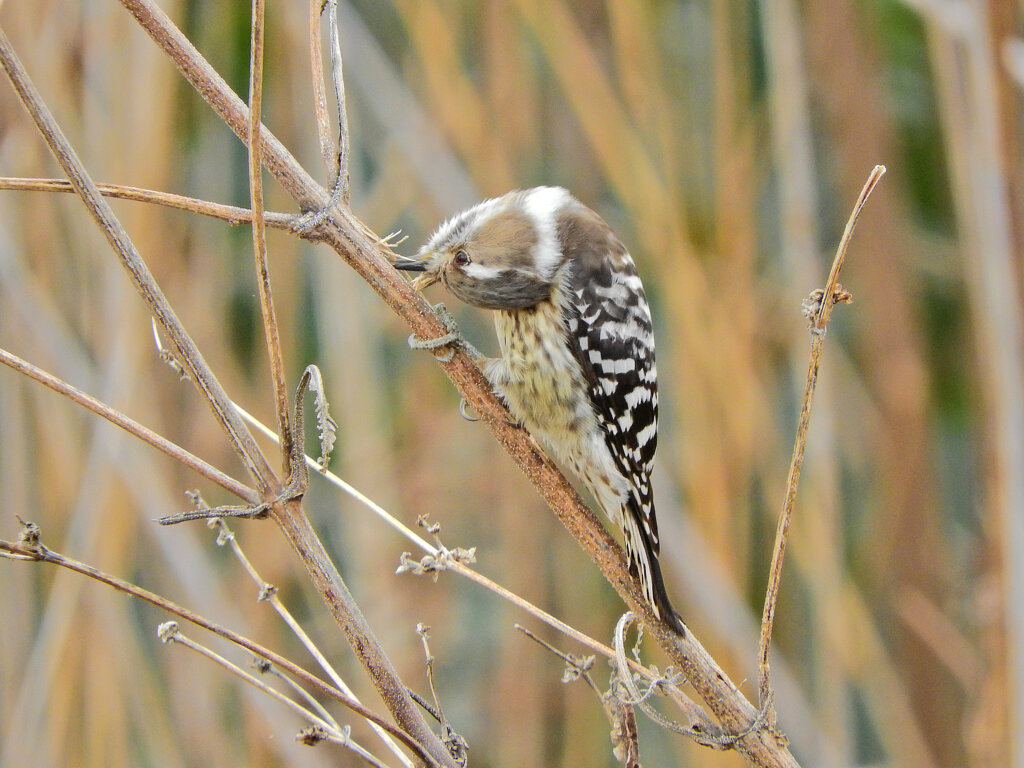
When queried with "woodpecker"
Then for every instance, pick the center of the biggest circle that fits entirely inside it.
(577, 347)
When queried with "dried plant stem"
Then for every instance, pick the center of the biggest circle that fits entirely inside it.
(819, 322)
(271, 330)
(681, 699)
(271, 596)
(231, 214)
(169, 633)
(341, 184)
(323, 120)
(130, 426)
(41, 554)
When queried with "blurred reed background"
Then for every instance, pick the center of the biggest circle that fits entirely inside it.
(725, 142)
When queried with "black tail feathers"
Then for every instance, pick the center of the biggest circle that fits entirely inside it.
(643, 561)
(662, 605)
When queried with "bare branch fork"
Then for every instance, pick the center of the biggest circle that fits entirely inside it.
(31, 548)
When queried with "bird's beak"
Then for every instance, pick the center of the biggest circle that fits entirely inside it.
(429, 277)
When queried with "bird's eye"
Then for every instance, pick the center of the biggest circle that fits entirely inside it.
(461, 258)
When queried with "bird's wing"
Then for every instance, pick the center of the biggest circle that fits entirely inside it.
(610, 328)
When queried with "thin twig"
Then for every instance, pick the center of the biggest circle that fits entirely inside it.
(340, 191)
(130, 426)
(620, 714)
(323, 122)
(575, 666)
(259, 234)
(264, 667)
(226, 535)
(338, 78)
(36, 552)
(168, 632)
(230, 214)
(328, 729)
(457, 745)
(819, 322)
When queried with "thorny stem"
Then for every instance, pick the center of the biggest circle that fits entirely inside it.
(819, 321)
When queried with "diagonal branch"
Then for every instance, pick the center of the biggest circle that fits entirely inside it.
(30, 549)
(130, 426)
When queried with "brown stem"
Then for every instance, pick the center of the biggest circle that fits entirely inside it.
(253, 459)
(231, 214)
(316, 59)
(819, 322)
(271, 329)
(130, 426)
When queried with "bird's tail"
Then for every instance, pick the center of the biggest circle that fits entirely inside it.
(642, 549)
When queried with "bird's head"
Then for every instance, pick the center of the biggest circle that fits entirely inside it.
(502, 253)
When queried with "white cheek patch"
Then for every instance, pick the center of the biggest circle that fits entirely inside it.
(481, 271)
(542, 205)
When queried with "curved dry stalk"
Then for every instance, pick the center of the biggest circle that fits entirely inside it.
(230, 214)
(819, 317)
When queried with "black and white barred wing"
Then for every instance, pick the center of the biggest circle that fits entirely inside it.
(612, 328)
(609, 328)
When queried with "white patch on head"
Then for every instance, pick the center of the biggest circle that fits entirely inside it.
(481, 272)
(542, 205)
